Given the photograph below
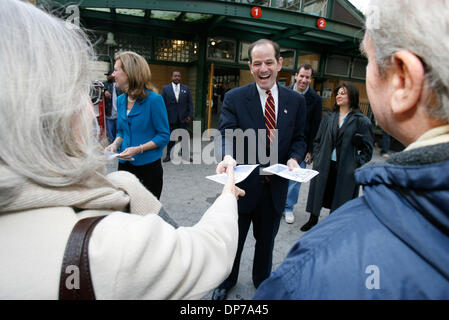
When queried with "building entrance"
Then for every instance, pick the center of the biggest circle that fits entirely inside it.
(224, 79)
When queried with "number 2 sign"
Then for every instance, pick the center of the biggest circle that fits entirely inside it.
(321, 23)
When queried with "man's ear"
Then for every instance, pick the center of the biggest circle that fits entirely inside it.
(280, 64)
(250, 65)
(407, 80)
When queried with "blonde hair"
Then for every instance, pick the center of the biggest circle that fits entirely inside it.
(138, 72)
(46, 123)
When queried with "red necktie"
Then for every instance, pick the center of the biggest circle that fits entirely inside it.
(270, 116)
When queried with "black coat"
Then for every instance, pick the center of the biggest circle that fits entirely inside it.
(349, 158)
(314, 104)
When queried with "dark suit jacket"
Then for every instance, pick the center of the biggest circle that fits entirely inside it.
(242, 109)
(314, 104)
(178, 111)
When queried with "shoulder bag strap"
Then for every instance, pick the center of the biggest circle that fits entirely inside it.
(75, 281)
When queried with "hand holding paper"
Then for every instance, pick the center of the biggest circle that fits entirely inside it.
(112, 148)
(240, 173)
(230, 186)
(112, 155)
(128, 153)
(225, 163)
(292, 164)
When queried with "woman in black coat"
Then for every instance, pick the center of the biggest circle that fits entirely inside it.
(344, 142)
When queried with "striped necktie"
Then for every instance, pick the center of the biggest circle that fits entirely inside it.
(270, 117)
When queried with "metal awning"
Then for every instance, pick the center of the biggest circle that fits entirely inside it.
(189, 19)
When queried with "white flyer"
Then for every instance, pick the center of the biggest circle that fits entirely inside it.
(297, 174)
(240, 173)
(112, 155)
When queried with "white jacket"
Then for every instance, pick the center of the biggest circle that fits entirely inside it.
(131, 256)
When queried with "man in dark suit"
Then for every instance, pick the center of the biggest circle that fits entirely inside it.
(262, 106)
(178, 102)
(111, 92)
(314, 103)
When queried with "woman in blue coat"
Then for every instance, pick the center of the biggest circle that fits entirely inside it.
(142, 122)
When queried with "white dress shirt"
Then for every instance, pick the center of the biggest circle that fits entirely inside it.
(176, 88)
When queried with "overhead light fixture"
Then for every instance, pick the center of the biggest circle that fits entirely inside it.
(110, 40)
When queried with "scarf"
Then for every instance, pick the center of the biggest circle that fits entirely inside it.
(117, 191)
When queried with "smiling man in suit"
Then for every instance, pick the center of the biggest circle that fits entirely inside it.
(263, 105)
(314, 103)
(178, 101)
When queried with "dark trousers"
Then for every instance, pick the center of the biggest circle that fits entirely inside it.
(265, 221)
(330, 187)
(174, 126)
(150, 175)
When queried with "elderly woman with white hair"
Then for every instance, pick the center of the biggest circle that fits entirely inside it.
(52, 177)
(392, 243)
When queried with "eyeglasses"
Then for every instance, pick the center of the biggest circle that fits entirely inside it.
(96, 89)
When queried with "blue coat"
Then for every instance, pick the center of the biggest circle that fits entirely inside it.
(179, 110)
(147, 121)
(392, 243)
(242, 109)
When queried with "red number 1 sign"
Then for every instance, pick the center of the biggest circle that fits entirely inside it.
(256, 12)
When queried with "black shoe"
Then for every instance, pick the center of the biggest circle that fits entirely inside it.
(167, 159)
(313, 220)
(220, 294)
